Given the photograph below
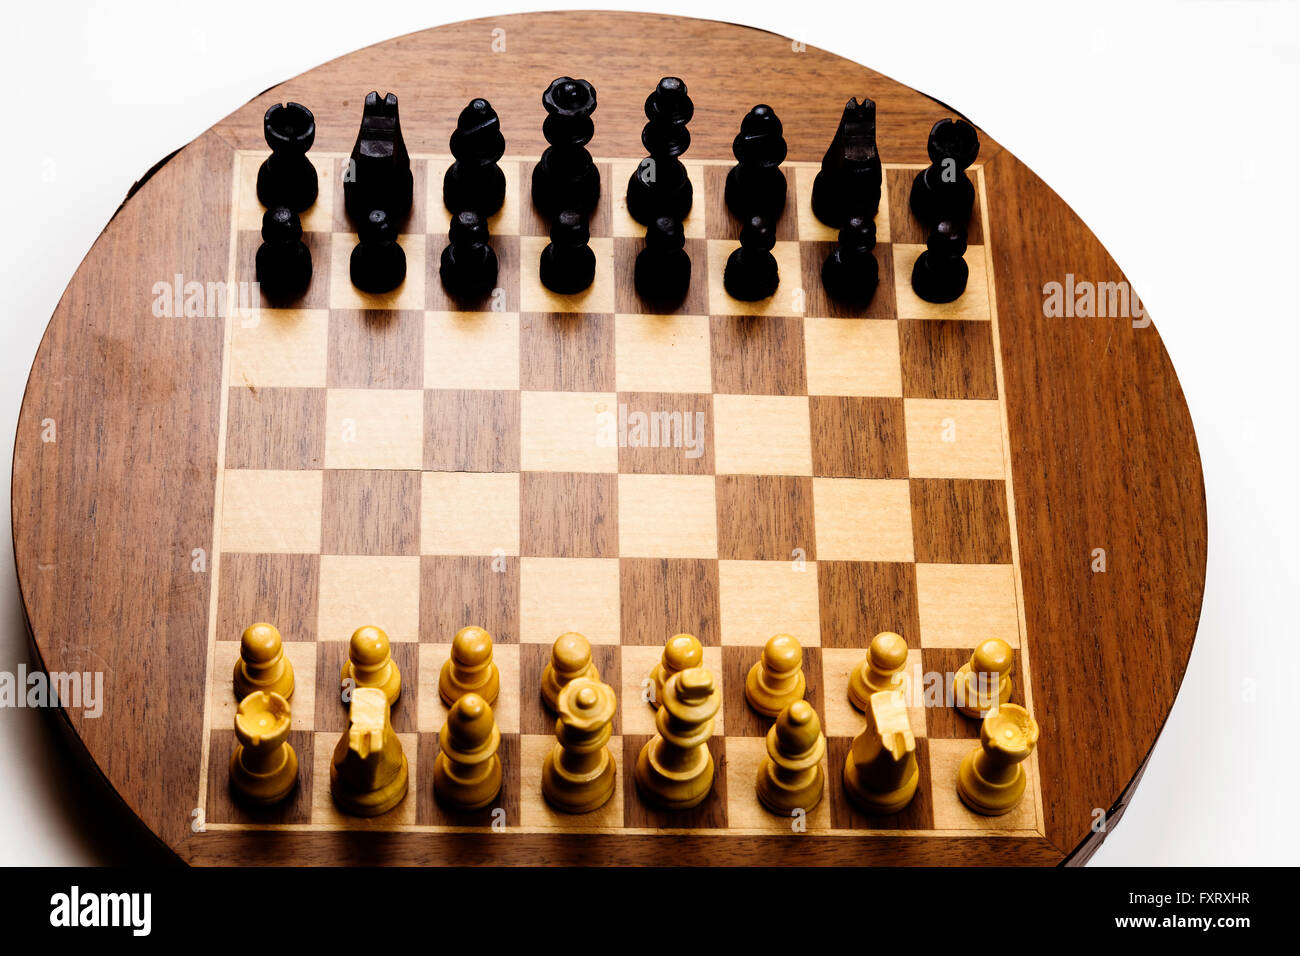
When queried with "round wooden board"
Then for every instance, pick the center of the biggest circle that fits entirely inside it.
(106, 518)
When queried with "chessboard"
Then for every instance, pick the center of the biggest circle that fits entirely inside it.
(536, 463)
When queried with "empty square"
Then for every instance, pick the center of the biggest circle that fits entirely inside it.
(557, 595)
(863, 519)
(279, 588)
(667, 516)
(376, 349)
(972, 304)
(788, 298)
(960, 521)
(962, 605)
(666, 596)
(948, 359)
(852, 357)
(766, 518)
(859, 599)
(471, 350)
(460, 589)
(568, 431)
(282, 348)
(361, 590)
(275, 428)
(954, 439)
(409, 295)
(762, 435)
(566, 352)
(757, 356)
(271, 511)
(662, 353)
(758, 599)
(374, 428)
(471, 430)
(665, 433)
(569, 515)
(469, 513)
(858, 437)
(535, 297)
(371, 512)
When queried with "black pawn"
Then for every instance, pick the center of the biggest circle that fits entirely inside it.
(283, 259)
(287, 177)
(378, 175)
(850, 179)
(565, 177)
(378, 263)
(942, 191)
(940, 272)
(660, 186)
(756, 185)
(469, 265)
(663, 269)
(851, 273)
(475, 181)
(751, 272)
(568, 265)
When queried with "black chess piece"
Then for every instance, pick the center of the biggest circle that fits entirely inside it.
(287, 177)
(565, 177)
(660, 186)
(469, 264)
(850, 179)
(940, 272)
(568, 265)
(751, 272)
(283, 259)
(378, 263)
(663, 269)
(851, 273)
(942, 191)
(378, 175)
(756, 184)
(475, 181)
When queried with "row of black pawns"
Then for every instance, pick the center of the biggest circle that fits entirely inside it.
(378, 187)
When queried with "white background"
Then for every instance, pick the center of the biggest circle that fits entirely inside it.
(1168, 127)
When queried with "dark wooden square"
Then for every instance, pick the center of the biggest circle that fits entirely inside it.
(939, 664)
(858, 437)
(534, 716)
(882, 305)
(904, 227)
(429, 812)
(859, 599)
(471, 430)
(661, 597)
(758, 355)
(504, 295)
(371, 512)
(626, 299)
(765, 517)
(845, 815)
(709, 815)
(740, 719)
(275, 428)
(653, 428)
(721, 224)
(960, 521)
(375, 348)
(225, 807)
(281, 589)
(317, 295)
(947, 359)
(459, 590)
(569, 515)
(566, 352)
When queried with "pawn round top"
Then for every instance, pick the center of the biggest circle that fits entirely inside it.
(782, 654)
(665, 233)
(262, 717)
(798, 727)
(570, 228)
(468, 227)
(470, 722)
(260, 643)
(376, 227)
(368, 646)
(947, 239)
(955, 140)
(471, 647)
(289, 127)
(858, 232)
(1011, 731)
(571, 653)
(683, 651)
(569, 97)
(888, 651)
(758, 234)
(281, 224)
(994, 656)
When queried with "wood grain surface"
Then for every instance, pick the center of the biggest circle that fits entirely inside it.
(106, 519)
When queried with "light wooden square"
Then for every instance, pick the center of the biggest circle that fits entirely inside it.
(409, 295)
(469, 513)
(471, 350)
(971, 305)
(667, 516)
(503, 222)
(962, 605)
(431, 712)
(319, 217)
(568, 431)
(812, 228)
(662, 353)
(863, 519)
(758, 599)
(950, 813)
(954, 438)
(788, 298)
(360, 590)
(762, 435)
(535, 297)
(621, 171)
(744, 811)
(534, 811)
(324, 812)
(568, 594)
(222, 703)
(637, 662)
(272, 512)
(279, 348)
(374, 428)
(853, 357)
(841, 718)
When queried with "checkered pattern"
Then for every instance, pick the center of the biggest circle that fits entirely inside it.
(404, 461)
